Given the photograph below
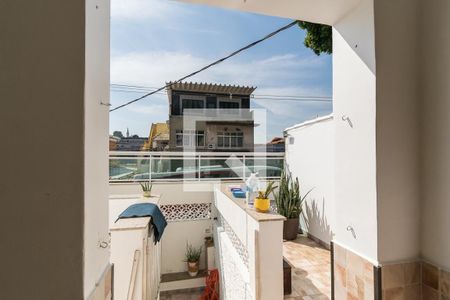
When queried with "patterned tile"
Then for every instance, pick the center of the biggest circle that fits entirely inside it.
(186, 212)
(237, 243)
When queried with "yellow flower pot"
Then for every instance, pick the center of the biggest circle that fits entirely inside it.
(262, 205)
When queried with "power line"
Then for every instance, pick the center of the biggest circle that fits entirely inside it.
(209, 66)
(143, 89)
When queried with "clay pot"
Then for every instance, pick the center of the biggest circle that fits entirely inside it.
(193, 268)
(290, 229)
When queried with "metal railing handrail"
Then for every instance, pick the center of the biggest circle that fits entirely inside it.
(185, 153)
(197, 157)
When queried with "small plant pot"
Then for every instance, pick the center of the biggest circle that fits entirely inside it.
(192, 268)
(262, 205)
(146, 194)
(290, 229)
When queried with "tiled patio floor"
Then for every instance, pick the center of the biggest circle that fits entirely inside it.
(311, 274)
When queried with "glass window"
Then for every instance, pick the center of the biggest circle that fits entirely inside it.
(179, 138)
(228, 104)
(230, 140)
(193, 104)
(190, 138)
(200, 138)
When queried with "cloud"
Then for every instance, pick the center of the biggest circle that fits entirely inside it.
(286, 74)
(150, 109)
(156, 67)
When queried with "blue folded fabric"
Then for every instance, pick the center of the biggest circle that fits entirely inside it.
(239, 194)
(140, 210)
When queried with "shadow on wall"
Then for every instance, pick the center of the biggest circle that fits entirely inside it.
(315, 221)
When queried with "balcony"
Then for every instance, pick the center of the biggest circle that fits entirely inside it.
(192, 191)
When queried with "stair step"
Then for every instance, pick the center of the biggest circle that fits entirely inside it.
(170, 277)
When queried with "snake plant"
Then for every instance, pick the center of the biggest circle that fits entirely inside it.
(288, 198)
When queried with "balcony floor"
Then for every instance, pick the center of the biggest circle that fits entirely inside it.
(311, 274)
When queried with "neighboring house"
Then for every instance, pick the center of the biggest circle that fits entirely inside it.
(158, 138)
(224, 123)
(133, 143)
(275, 145)
(113, 141)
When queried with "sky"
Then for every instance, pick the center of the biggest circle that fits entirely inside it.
(156, 41)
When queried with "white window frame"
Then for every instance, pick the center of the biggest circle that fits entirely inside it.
(225, 136)
(187, 138)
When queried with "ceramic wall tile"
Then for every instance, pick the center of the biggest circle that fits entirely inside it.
(430, 275)
(353, 275)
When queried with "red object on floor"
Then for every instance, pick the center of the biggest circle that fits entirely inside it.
(211, 286)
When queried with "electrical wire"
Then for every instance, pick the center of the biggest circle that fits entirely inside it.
(143, 89)
(208, 66)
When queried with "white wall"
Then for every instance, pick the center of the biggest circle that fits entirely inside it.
(96, 142)
(354, 97)
(176, 234)
(397, 130)
(310, 157)
(435, 120)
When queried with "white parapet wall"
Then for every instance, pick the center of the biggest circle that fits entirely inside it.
(310, 157)
(249, 249)
(192, 229)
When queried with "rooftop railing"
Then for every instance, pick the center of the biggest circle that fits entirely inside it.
(127, 166)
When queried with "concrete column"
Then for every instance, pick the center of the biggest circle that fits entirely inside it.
(53, 175)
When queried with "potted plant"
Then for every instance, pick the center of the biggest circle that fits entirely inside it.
(146, 189)
(262, 202)
(192, 259)
(289, 204)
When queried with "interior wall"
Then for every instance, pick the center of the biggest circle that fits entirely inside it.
(435, 124)
(354, 109)
(42, 69)
(96, 143)
(397, 130)
(310, 157)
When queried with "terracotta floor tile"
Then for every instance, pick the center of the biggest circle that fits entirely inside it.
(311, 275)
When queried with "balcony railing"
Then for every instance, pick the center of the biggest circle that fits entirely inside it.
(130, 166)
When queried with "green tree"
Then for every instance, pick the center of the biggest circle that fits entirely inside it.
(118, 134)
(318, 37)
